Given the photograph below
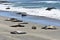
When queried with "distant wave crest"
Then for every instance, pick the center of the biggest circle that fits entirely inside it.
(46, 1)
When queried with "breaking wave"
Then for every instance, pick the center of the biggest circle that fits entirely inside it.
(46, 1)
(54, 13)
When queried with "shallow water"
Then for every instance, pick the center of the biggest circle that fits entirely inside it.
(39, 20)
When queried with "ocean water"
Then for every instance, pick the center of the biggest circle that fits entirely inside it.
(36, 4)
(34, 7)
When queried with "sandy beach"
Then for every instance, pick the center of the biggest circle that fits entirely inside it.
(32, 34)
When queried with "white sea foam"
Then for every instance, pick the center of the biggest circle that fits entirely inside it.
(46, 1)
(7, 4)
(54, 13)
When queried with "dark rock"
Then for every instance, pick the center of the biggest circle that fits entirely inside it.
(8, 8)
(18, 25)
(14, 26)
(33, 27)
(18, 32)
(11, 19)
(23, 15)
(50, 8)
(19, 13)
(24, 23)
(4, 1)
(17, 21)
(49, 27)
(14, 20)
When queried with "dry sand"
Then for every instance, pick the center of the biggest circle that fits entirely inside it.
(38, 34)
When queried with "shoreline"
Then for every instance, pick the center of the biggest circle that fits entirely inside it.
(39, 18)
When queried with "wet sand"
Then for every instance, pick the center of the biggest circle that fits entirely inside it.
(32, 34)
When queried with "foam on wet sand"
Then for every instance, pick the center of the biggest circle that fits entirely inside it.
(32, 34)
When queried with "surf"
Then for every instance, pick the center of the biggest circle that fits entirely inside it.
(46, 1)
(54, 13)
